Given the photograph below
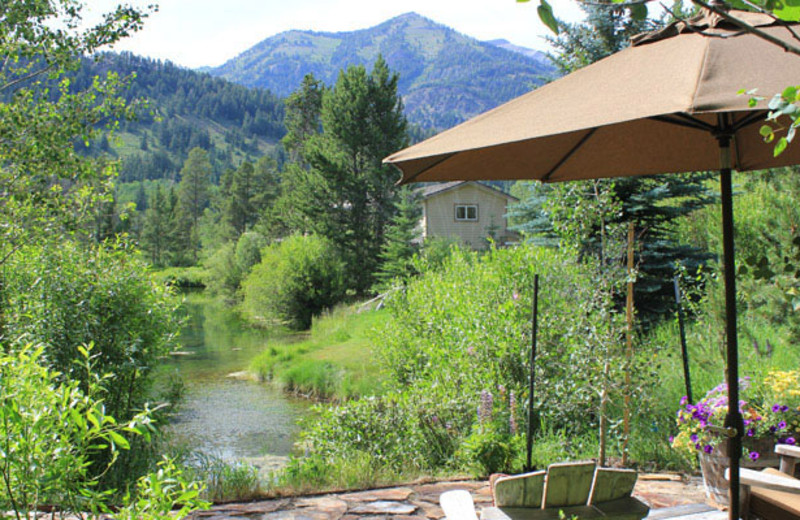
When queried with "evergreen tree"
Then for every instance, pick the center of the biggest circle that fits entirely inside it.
(402, 239)
(302, 119)
(247, 193)
(156, 229)
(193, 195)
(347, 194)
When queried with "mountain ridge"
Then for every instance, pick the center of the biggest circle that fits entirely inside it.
(445, 76)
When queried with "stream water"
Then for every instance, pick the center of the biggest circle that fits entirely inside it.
(225, 413)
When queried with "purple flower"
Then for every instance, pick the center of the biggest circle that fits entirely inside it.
(751, 432)
(708, 449)
(789, 440)
(693, 437)
(684, 400)
(486, 406)
(754, 455)
(784, 408)
(772, 429)
(776, 408)
(782, 425)
(671, 439)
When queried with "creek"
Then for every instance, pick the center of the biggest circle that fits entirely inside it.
(225, 412)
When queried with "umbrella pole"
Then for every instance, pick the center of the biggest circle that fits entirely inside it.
(733, 420)
(534, 330)
(687, 378)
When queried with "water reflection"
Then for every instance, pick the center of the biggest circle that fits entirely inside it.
(224, 413)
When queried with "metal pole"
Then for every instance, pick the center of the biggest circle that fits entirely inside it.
(535, 326)
(687, 378)
(733, 420)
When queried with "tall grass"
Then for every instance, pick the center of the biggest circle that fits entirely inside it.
(225, 481)
(334, 362)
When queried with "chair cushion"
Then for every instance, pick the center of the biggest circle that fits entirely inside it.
(769, 504)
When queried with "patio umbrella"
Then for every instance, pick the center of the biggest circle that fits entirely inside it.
(667, 104)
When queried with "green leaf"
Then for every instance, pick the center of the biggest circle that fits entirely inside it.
(789, 13)
(789, 93)
(639, 11)
(119, 440)
(765, 131)
(547, 17)
(780, 146)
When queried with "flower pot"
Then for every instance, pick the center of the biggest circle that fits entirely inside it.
(714, 464)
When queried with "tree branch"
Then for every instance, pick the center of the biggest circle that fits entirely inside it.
(788, 47)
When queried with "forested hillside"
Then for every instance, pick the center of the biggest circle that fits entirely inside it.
(445, 77)
(186, 110)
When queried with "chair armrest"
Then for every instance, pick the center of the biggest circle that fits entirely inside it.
(748, 477)
(789, 456)
(458, 505)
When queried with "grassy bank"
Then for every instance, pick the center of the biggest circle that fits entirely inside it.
(334, 361)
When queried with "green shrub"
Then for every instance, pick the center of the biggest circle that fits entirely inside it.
(183, 277)
(232, 262)
(51, 430)
(73, 294)
(295, 281)
(70, 294)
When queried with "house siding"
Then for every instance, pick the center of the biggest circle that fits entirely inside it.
(440, 215)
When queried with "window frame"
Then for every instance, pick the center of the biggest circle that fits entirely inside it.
(466, 208)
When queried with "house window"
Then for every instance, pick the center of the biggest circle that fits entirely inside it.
(467, 212)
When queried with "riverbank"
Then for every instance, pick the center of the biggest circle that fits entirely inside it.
(334, 362)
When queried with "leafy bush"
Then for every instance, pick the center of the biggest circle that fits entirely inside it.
(51, 430)
(296, 280)
(460, 331)
(71, 294)
(231, 263)
(183, 277)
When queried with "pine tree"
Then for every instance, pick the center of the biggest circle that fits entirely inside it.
(345, 193)
(402, 239)
(156, 229)
(193, 195)
(302, 117)
(247, 193)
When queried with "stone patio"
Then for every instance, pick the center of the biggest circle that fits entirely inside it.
(421, 502)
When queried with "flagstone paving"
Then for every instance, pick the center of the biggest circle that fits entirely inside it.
(421, 502)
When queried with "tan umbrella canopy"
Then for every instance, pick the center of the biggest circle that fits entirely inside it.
(608, 119)
(667, 104)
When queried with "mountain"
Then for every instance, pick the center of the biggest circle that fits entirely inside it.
(525, 51)
(186, 109)
(445, 77)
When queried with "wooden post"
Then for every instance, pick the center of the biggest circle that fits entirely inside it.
(626, 432)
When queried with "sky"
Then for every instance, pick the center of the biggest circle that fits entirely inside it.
(196, 33)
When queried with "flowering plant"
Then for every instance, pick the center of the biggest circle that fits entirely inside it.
(773, 413)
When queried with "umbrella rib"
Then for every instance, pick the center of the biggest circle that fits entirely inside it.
(437, 163)
(752, 118)
(569, 154)
(685, 120)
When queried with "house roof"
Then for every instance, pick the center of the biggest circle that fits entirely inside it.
(436, 189)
